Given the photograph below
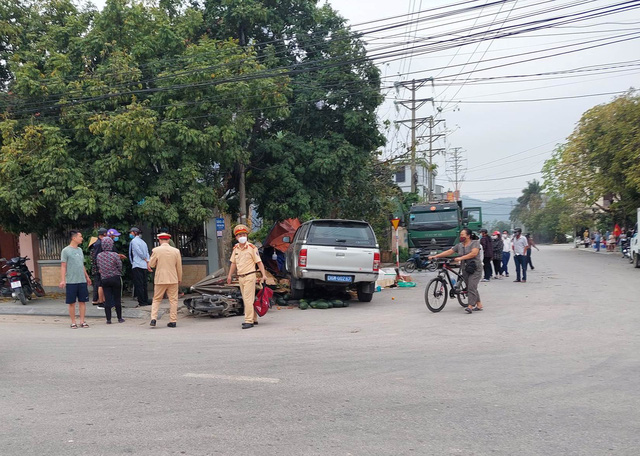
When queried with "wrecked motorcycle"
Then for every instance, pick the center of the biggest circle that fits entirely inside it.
(217, 299)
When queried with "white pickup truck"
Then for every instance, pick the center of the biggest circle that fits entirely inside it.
(334, 254)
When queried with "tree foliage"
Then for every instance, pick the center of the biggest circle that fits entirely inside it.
(321, 160)
(601, 158)
(142, 112)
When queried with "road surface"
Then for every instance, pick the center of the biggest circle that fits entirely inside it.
(551, 367)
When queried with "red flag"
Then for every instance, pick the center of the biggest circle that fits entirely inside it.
(616, 231)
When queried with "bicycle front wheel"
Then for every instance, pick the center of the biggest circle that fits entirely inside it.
(435, 295)
(461, 292)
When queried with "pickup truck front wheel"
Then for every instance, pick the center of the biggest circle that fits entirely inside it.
(365, 291)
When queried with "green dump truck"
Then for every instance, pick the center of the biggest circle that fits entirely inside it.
(435, 227)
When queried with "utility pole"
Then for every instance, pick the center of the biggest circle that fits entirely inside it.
(242, 195)
(432, 152)
(413, 105)
(456, 168)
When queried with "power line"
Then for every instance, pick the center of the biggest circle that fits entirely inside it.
(504, 178)
(299, 69)
(531, 100)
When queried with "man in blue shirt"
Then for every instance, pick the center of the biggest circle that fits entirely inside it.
(139, 257)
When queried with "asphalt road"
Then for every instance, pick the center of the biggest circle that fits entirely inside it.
(551, 367)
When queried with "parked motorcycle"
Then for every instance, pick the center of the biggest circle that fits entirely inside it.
(21, 281)
(625, 247)
(419, 260)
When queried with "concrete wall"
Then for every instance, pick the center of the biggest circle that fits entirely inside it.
(49, 272)
(29, 248)
(194, 270)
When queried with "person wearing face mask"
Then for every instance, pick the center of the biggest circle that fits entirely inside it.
(110, 270)
(167, 262)
(496, 240)
(469, 252)
(115, 235)
(139, 258)
(244, 259)
(506, 253)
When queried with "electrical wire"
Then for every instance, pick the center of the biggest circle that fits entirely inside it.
(348, 62)
(532, 100)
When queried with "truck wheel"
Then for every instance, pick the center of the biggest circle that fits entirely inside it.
(636, 257)
(364, 296)
(297, 293)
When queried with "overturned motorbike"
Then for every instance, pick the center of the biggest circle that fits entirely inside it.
(217, 299)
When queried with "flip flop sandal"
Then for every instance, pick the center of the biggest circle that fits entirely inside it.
(74, 326)
(478, 309)
(468, 309)
(84, 325)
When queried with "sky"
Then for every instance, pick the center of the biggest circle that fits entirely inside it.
(506, 141)
(492, 134)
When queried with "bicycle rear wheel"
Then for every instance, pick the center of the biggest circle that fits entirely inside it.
(461, 292)
(435, 295)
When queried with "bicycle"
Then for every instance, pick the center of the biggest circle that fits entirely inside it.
(437, 291)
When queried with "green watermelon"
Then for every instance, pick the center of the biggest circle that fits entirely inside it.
(303, 305)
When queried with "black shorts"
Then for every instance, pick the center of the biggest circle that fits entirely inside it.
(77, 292)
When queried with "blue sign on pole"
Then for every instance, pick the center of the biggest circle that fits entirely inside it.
(219, 226)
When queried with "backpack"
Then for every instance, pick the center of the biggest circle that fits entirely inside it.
(263, 301)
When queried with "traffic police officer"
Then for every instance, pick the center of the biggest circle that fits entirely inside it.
(244, 259)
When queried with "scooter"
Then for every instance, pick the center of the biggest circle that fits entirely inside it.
(5, 287)
(21, 281)
(625, 248)
(419, 261)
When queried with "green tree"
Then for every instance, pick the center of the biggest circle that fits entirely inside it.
(321, 160)
(529, 203)
(600, 159)
(147, 112)
(144, 120)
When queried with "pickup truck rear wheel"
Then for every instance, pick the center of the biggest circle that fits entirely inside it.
(636, 257)
(297, 289)
(363, 294)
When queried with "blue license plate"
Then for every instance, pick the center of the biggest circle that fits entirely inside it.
(339, 278)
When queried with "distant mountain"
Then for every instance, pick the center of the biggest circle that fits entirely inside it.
(492, 210)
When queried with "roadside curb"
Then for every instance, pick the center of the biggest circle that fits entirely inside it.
(62, 312)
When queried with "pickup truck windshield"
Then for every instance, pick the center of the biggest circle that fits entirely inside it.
(341, 234)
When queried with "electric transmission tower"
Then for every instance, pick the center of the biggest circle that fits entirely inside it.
(456, 168)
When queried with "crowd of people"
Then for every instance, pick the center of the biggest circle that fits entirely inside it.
(106, 274)
(607, 241)
(165, 262)
(487, 258)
